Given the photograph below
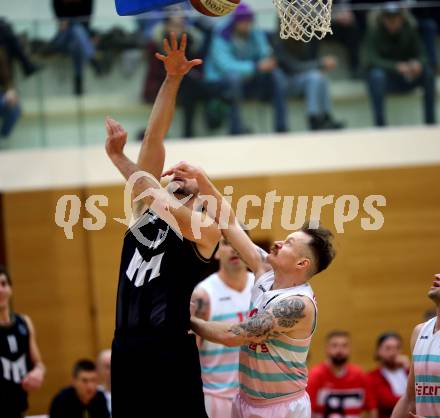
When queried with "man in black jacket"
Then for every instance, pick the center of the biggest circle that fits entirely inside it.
(82, 399)
(396, 62)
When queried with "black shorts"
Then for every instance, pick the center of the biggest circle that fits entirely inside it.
(157, 379)
(13, 400)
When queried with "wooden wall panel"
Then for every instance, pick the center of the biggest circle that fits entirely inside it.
(50, 277)
(105, 248)
(379, 278)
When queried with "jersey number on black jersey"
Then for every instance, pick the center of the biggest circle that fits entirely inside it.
(14, 371)
(138, 268)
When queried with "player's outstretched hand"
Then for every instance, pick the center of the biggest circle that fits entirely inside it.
(174, 59)
(184, 170)
(33, 380)
(116, 137)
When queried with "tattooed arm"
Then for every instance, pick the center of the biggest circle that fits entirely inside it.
(293, 316)
(201, 308)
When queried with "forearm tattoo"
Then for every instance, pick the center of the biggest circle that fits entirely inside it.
(289, 312)
(266, 324)
(258, 326)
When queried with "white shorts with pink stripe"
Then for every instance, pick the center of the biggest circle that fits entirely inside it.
(298, 408)
(217, 407)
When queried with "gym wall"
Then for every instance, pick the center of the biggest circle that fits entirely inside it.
(378, 281)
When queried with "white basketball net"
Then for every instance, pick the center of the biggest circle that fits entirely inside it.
(304, 19)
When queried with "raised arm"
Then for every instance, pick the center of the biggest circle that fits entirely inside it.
(224, 216)
(294, 314)
(406, 406)
(193, 225)
(152, 154)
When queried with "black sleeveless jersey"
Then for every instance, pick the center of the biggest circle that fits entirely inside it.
(15, 363)
(158, 273)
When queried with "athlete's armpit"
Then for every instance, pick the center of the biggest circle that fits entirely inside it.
(257, 327)
(262, 253)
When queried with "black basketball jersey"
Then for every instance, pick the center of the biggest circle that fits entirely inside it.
(15, 363)
(158, 273)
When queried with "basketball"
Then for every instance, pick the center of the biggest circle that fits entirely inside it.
(215, 7)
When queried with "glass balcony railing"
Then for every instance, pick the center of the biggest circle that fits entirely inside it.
(113, 56)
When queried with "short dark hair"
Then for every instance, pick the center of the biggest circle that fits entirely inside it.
(337, 333)
(385, 336)
(83, 365)
(321, 245)
(3, 270)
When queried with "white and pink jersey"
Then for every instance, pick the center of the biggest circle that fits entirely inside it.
(219, 363)
(426, 359)
(276, 370)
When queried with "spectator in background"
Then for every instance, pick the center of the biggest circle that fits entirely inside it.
(82, 399)
(11, 50)
(14, 49)
(396, 62)
(337, 387)
(74, 38)
(103, 366)
(305, 76)
(388, 381)
(10, 109)
(346, 31)
(21, 367)
(240, 64)
(147, 22)
(191, 90)
(427, 19)
(68, 9)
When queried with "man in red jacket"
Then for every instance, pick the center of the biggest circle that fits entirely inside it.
(338, 388)
(388, 381)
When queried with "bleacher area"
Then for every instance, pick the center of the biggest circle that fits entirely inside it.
(54, 117)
